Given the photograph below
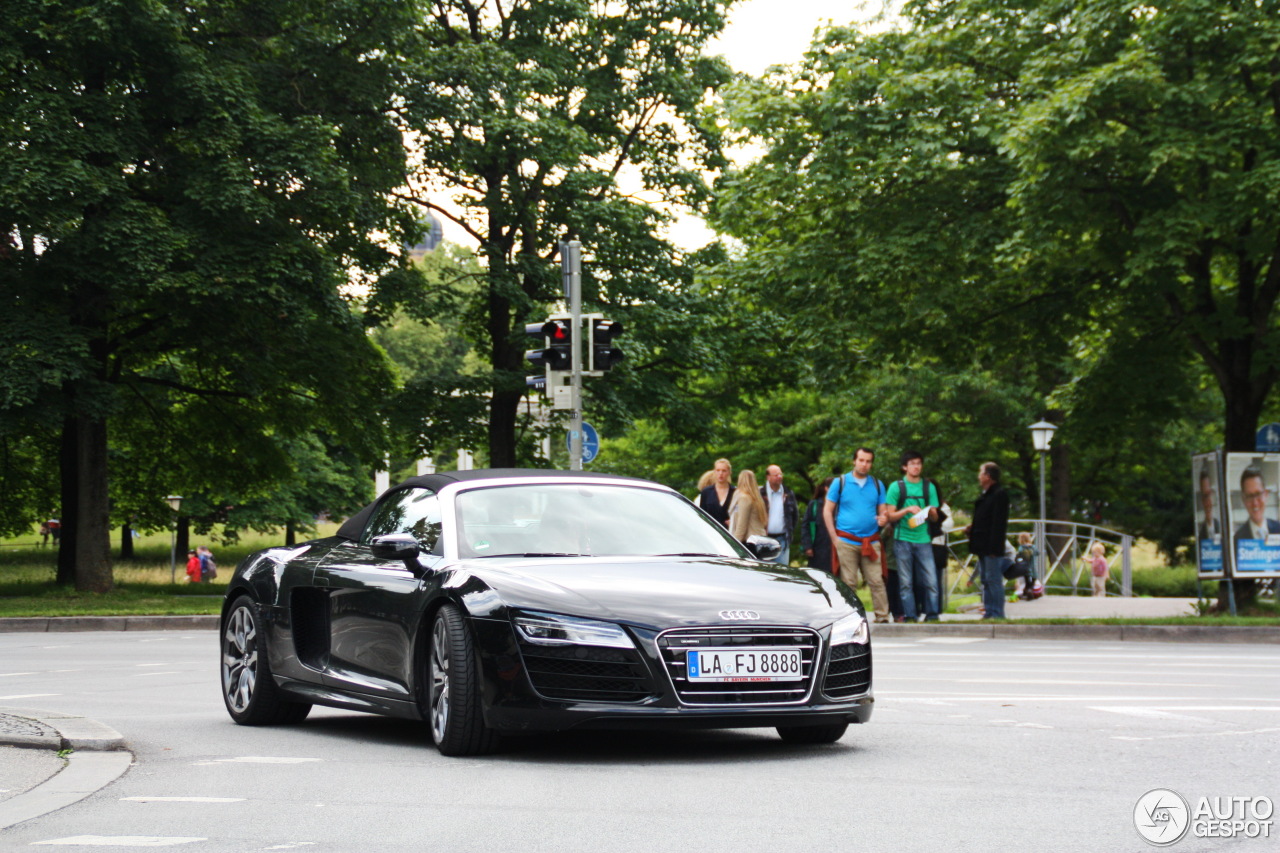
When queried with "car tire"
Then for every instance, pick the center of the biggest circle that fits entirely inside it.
(248, 689)
(453, 689)
(813, 734)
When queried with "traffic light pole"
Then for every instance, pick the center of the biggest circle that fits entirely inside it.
(571, 269)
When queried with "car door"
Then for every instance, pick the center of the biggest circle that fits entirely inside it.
(374, 603)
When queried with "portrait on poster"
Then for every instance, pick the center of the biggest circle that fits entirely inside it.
(1207, 505)
(1254, 517)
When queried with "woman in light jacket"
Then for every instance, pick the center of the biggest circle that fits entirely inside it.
(747, 514)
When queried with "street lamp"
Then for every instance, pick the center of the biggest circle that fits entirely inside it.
(1041, 437)
(175, 504)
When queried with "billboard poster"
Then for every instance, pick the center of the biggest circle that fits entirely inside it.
(1253, 514)
(1208, 506)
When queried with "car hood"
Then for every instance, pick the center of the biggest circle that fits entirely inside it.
(664, 592)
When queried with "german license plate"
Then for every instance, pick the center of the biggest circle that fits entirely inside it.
(755, 664)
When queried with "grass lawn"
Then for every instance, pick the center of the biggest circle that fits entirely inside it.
(143, 587)
(143, 584)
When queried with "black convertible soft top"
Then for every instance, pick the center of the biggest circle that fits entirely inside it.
(354, 526)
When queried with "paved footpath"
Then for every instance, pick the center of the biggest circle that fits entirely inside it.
(50, 760)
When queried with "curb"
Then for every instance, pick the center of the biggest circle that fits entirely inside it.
(98, 757)
(57, 731)
(1104, 633)
(41, 624)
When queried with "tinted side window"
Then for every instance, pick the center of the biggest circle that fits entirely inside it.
(413, 511)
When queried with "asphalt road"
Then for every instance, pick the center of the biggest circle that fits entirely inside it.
(975, 745)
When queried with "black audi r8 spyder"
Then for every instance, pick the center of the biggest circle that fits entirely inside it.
(511, 601)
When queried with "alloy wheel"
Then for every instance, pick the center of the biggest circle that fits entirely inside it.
(440, 677)
(240, 659)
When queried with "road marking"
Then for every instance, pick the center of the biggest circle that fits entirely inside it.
(933, 695)
(30, 696)
(256, 759)
(292, 845)
(1196, 734)
(1070, 683)
(166, 672)
(1150, 713)
(881, 679)
(119, 841)
(11, 674)
(1172, 660)
(1215, 708)
(182, 799)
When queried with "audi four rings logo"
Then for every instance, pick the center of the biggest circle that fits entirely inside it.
(730, 615)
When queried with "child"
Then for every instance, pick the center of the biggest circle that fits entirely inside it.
(193, 566)
(1026, 557)
(1098, 565)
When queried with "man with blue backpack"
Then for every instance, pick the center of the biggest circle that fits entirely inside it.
(913, 502)
(854, 512)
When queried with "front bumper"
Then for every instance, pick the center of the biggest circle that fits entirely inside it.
(512, 704)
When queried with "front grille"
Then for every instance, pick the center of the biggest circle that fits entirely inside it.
(586, 673)
(849, 673)
(675, 643)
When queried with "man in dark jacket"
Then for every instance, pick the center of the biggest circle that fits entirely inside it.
(784, 512)
(987, 536)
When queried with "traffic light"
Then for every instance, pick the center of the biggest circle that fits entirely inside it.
(602, 354)
(557, 351)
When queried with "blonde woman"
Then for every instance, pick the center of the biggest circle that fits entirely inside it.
(715, 497)
(747, 514)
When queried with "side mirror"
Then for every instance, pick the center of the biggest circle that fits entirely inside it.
(397, 546)
(763, 547)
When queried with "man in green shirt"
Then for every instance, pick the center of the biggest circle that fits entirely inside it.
(912, 503)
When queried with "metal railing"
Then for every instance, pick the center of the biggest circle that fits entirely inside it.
(1060, 547)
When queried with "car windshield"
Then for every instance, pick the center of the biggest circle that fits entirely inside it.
(588, 519)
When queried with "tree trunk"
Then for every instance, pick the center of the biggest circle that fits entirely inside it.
(290, 537)
(502, 429)
(1243, 400)
(126, 541)
(1058, 484)
(68, 472)
(93, 526)
(183, 538)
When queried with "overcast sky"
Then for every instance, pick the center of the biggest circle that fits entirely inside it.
(760, 33)
(773, 32)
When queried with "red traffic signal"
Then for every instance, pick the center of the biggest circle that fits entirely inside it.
(557, 352)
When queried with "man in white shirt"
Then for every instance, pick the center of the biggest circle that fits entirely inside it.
(784, 513)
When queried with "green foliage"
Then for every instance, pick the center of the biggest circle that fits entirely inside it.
(1020, 212)
(1177, 582)
(536, 119)
(187, 194)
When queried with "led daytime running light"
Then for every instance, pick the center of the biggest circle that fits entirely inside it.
(550, 630)
(850, 629)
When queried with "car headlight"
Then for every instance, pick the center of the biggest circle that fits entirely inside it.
(550, 629)
(850, 629)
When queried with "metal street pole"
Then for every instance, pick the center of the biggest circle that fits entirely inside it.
(175, 504)
(1041, 437)
(1043, 557)
(571, 268)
